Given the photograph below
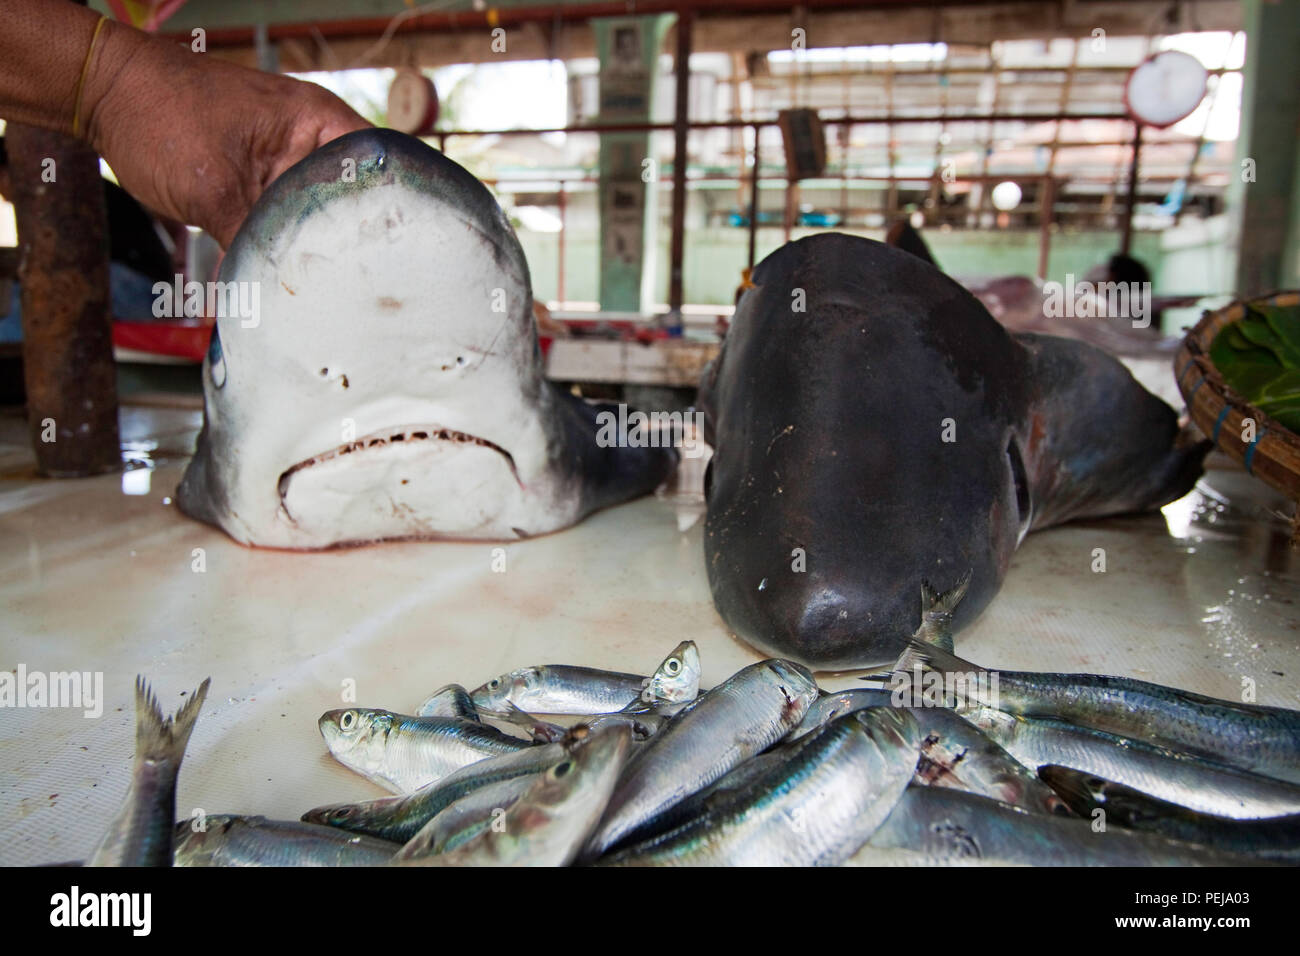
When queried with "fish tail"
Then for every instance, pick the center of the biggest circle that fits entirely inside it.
(164, 738)
(937, 609)
(928, 657)
(945, 602)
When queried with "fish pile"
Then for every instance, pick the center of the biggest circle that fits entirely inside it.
(941, 763)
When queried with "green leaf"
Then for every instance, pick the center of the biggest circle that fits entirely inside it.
(1259, 358)
(1258, 332)
(1285, 323)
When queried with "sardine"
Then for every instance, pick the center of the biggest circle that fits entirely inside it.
(724, 727)
(547, 825)
(829, 706)
(469, 816)
(955, 753)
(584, 691)
(560, 689)
(449, 701)
(677, 678)
(141, 834)
(229, 840)
(400, 818)
(950, 825)
(717, 794)
(815, 808)
(1272, 838)
(1260, 739)
(539, 730)
(1189, 781)
(403, 754)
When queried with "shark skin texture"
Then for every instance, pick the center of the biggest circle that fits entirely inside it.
(877, 432)
(390, 383)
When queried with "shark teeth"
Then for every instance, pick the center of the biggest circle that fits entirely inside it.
(411, 434)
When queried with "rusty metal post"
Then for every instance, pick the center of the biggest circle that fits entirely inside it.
(67, 327)
(1126, 236)
(1046, 202)
(681, 130)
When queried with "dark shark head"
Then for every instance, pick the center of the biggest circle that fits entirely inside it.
(390, 384)
(886, 436)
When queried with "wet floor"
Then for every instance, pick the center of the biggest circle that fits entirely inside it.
(104, 575)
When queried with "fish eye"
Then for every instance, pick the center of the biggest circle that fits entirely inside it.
(348, 720)
(216, 360)
(673, 666)
(494, 683)
(561, 770)
(342, 813)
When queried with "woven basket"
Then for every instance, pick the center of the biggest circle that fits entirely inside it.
(1274, 456)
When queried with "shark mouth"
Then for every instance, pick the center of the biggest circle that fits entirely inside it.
(405, 437)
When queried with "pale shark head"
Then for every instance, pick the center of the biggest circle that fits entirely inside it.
(390, 384)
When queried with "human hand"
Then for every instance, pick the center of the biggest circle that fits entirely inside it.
(195, 138)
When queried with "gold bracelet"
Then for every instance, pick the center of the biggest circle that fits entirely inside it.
(85, 68)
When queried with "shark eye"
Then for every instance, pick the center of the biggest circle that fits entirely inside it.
(216, 360)
(673, 666)
(348, 721)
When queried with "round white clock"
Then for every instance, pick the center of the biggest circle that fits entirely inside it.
(1165, 88)
(412, 103)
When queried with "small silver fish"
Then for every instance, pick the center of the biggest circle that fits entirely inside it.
(403, 754)
(724, 727)
(677, 678)
(400, 818)
(560, 689)
(141, 834)
(827, 707)
(1185, 780)
(1092, 797)
(469, 816)
(547, 824)
(449, 701)
(816, 807)
(955, 753)
(541, 731)
(951, 825)
(1264, 740)
(230, 840)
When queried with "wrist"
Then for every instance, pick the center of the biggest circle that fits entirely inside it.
(117, 47)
